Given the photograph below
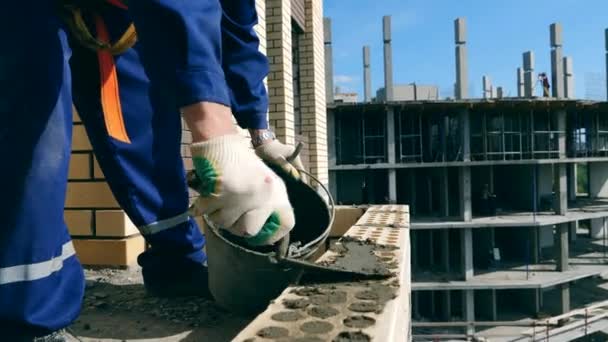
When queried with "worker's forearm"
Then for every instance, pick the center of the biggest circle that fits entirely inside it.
(208, 120)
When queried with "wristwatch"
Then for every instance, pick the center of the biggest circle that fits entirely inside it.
(259, 137)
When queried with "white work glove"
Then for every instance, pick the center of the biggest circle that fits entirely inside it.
(239, 192)
(275, 152)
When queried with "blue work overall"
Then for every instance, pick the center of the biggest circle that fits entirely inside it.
(187, 51)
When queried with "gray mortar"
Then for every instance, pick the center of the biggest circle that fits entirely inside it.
(352, 336)
(302, 339)
(358, 255)
(296, 303)
(273, 332)
(307, 291)
(287, 316)
(316, 327)
(364, 307)
(360, 322)
(367, 295)
(322, 311)
(329, 297)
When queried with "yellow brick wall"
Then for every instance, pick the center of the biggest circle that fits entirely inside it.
(104, 235)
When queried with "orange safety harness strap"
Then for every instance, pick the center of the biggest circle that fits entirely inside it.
(110, 96)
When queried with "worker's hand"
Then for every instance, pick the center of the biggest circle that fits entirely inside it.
(239, 192)
(277, 153)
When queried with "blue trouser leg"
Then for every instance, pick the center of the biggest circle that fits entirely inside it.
(41, 280)
(146, 175)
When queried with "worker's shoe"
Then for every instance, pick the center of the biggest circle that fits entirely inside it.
(192, 280)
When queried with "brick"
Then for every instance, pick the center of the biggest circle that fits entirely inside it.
(79, 222)
(97, 173)
(345, 218)
(80, 140)
(80, 166)
(109, 252)
(113, 223)
(89, 195)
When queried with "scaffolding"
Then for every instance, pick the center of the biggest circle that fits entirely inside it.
(410, 137)
(360, 138)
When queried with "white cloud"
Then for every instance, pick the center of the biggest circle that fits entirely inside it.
(344, 79)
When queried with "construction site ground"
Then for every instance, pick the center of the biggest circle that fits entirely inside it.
(117, 308)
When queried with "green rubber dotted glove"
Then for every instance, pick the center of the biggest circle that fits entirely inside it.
(239, 193)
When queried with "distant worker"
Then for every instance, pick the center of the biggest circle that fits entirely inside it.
(544, 81)
(130, 73)
(488, 201)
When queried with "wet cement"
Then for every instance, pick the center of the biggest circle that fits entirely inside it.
(360, 322)
(296, 303)
(322, 311)
(287, 316)
(273, 332)
(350, 336)
(358, 255)
(329, 297)
(307, 291)
(316, 327)
(364, 307)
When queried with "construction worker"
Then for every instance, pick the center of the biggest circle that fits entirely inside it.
(129, 85)
(544, 81)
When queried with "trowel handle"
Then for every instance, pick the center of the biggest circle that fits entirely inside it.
(282, 247)
(295, 154)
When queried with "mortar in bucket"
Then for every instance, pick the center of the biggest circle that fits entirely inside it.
(245, 279)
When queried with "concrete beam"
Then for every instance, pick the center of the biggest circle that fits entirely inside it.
(329, 63)
(568, 78)
(388, 58)
(367, 76)
(561, 246)
(462, 65)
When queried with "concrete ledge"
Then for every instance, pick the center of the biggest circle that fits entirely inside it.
(391, 324)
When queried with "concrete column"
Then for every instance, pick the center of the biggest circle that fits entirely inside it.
(520, 82)
(413, 192)
(331, 138)
(598, 180)
(445, 249)
(444, 195)
(564, 297)
(465, 134)
(333, 185)
(557, 70)
(329, 63)
(367, 75)
(469, 310)
(561, 246)
(466, 245)
(529, 78)
(447, 305)
(462, 65)
(561, 126)
(466, 211)
(390, 148)
(598, 227)
(534, 245)
(416, 304)
(560, 202)
(487, 87)
(499, 93)
(572, 231)
(606, 47)
(388, 58)
(572, 183)
(414, 247)
(568, 78)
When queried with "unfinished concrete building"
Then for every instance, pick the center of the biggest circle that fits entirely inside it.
(502, 219)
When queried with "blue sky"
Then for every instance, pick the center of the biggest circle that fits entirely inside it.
(498, 33)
